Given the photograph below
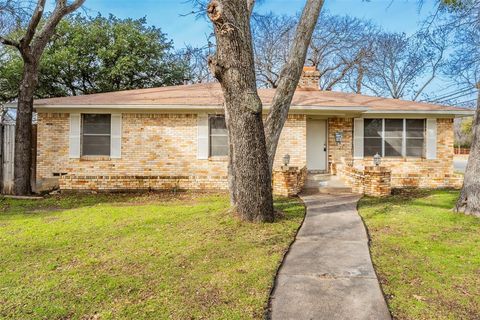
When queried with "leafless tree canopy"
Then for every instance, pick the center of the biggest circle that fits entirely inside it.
(197, 60)
(341, 47)
(273, 37)
(11, 13)
(464, 22)
(403, 67)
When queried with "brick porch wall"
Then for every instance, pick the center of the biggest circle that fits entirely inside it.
(159, 151)
(406, 172)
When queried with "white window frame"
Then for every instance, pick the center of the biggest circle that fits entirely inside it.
(82, 134)
(404, 138)
(210, 135)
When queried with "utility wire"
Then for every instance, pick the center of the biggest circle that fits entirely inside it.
(467, 101)
(450, 99)
(466, 91)
(439, 97)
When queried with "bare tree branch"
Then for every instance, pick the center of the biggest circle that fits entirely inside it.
(33, 24)
(44, 35)
(9, 42)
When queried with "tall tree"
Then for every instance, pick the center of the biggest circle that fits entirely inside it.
(463, 17)
(469, 200)
(272, 38)
(31, 46)
(340, 47)
(98, 54)
(403, 67)
(196, 58)
(253, 146)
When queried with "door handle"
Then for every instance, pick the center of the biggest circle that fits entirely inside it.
(325, 147)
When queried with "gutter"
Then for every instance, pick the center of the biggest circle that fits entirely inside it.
(294, 108)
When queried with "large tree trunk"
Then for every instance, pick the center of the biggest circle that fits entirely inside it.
(23, 131)
(233, 66)
(469, 200)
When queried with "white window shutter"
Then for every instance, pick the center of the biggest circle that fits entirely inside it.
(116, 136)
(74, 135)
(358, 138)
(431, 139)
(202, 136)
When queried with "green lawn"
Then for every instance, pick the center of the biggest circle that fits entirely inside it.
(427, 256)
(137, 257)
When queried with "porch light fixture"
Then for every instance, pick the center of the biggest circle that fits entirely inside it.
(286, 160)
(377, 159)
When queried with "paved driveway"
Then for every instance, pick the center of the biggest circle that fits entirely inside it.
(328, 273)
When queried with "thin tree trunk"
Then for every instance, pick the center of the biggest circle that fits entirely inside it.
(469, 200)
(233, 66)
(23, 131)
(290, 76)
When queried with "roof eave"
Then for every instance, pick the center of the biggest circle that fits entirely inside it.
(455, 113)
(294, 109)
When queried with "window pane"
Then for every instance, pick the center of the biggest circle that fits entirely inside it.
(415, 128)
(372, 128)
(218, 125)
(393, 128)
(372, 146)
(415, 147)
(96, 124)
(219, 146)
(393, 147)
(415, 137)
(218, 136)
(219, 141)
(96, 145)
(219, 151)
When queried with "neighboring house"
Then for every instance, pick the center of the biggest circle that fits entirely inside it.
(175, 137)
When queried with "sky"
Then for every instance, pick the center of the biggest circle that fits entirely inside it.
(169, 15)
(183, 28)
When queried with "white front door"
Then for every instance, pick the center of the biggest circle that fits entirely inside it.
(316, 145)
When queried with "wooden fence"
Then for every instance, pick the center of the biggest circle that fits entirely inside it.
(7, 151)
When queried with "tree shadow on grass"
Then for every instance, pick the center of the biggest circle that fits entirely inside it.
(288, 208)
(413, 196)
(60, 202)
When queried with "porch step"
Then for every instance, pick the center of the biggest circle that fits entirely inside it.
(325, 183)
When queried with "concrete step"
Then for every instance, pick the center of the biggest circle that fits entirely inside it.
(326, 190)
(319, 177)
(325, 183)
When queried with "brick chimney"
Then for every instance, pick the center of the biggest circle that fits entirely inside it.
(310, 78)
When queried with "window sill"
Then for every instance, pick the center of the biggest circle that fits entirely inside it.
(218, 158)
(95, 158)
(397, 158)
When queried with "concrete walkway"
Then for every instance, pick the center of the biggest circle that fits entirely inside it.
(328, 273)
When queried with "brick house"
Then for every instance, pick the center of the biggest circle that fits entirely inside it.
(175, 137)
